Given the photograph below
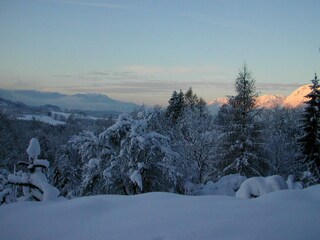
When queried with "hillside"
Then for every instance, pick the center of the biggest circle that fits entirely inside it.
(92, 102)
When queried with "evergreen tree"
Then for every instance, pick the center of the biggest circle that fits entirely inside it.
(175, 107)
(241, 142)
(310, 142)
(191, 99)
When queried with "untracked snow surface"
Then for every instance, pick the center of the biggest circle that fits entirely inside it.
(285, 214)
(45, 119)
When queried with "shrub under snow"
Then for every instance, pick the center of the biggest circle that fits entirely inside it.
(258, 186)
(34, 183)
(227, 185)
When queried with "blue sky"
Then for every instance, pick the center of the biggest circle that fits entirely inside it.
(141, 51)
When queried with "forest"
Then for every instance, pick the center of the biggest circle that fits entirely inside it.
(169, 149)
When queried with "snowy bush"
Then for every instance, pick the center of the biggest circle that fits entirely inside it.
(7, 194)
(292, 184)
(141, 158)
(258, 186)
(34, 184)
(308, 179)
(227, 185)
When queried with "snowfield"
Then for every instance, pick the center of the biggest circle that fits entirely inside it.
(285, 214)
(45, 119)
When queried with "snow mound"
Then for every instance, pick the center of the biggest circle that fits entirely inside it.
(227, 186)
(287, 214)
(48, 192)
(292, 184)
(258, 186)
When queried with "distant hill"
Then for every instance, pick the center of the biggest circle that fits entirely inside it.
(294, 100)
(85, 102)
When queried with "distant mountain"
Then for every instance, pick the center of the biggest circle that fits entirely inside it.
(92, 102)
(294, 100)
(219, 101)
(17, 108)
(297, 97)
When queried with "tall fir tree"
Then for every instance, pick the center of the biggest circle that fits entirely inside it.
(241, 142)
(175, 107)
(310, 141)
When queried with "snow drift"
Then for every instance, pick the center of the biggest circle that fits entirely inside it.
(258, 186)
(287, 214)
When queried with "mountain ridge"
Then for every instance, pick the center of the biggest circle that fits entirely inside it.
(293, 100)
(87, 101)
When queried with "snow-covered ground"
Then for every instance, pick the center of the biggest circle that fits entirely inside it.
(41, 118)
(285, 214)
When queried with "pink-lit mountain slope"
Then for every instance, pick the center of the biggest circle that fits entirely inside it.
(294, 100)
(297, 97)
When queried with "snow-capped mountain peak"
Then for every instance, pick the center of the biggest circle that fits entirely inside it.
(295, 99)
(269, 101)
(219, 101)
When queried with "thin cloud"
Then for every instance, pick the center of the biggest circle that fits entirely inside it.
(144, 86)
(90, 4)
(277, 86)
(160, 70)
(152, 79)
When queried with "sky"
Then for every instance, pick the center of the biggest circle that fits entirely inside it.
(141, 51)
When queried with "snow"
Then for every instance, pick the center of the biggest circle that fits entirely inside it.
(41, 118)
(287, 214)
(49, 192)
(33, 149)
(297, 98)
(136, 177)
(17, 179)
(258, 186)
(94, 163)
(227, 186)
(41, 162)
(60, 114)
(292, 184)
(294, 100)
(270, 101)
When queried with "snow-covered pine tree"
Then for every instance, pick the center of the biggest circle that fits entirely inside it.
(67, 173)
(241, 146)
(310, 141)
(194, 140)
(34, 184)
(142, 159)
(94, 156)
